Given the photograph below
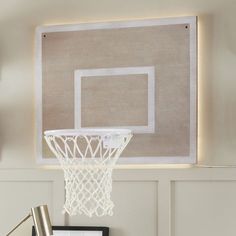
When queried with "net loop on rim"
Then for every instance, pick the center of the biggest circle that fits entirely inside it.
(87, 157)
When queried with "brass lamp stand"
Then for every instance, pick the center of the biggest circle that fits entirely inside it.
(41, 220)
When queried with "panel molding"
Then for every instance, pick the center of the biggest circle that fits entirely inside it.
(164, 179)
(51, 176)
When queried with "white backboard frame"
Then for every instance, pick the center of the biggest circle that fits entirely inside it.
(147, 70)
(191, 20)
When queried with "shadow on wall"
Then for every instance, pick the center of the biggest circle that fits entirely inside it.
(116, 231)
(1, 130)
(1, 136)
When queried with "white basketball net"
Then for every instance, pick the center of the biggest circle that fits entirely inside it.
(87, 158)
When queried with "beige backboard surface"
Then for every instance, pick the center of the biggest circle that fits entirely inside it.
(138, 74)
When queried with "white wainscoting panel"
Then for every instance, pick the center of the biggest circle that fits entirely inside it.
(204, 208)
(23, 189)
(148, 202)
(135, 211)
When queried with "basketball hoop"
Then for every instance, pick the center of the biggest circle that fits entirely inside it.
(87, 157)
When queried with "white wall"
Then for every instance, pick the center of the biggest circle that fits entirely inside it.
(163, 202)
(217, 36)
